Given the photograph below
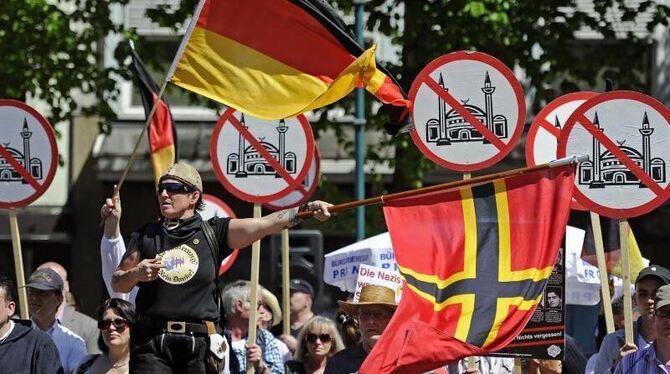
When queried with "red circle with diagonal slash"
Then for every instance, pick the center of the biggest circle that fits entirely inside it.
(503, 148)
(609, 113)
(542, 125)
(53, 150)
(228, 118)
(305, 192)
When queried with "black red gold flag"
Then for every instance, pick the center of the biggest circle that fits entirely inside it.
(275, 59)
(162, 133)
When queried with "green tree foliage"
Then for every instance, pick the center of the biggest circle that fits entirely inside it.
(53, 49)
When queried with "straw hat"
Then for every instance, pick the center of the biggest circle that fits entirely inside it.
(271, 301)
(371, 295)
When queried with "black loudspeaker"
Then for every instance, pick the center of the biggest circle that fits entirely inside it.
(305, 260)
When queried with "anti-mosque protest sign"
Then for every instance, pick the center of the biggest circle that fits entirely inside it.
(468, 111)
(368, 275)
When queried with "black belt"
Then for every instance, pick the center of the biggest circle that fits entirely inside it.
(174, 327)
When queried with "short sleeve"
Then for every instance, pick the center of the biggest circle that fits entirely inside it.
(220, 226)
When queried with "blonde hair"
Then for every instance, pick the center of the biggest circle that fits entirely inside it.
(323, 324)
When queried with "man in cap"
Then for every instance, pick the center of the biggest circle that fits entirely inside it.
(175, 264)
(302, 298)
(22, 348)
(374, 310)
(656, 357)
(81, 324)
(45, 295)
(648, 281)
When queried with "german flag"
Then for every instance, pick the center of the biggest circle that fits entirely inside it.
(475, 262)
(275, 59)
(162, 133)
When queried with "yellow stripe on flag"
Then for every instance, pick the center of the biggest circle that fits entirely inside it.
(161, 160)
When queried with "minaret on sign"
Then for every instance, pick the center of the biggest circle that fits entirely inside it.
(597, 177)
(26, 134)
(441, 115)
(646, 132)
(281, 129)
(241, 171)
(488, 100)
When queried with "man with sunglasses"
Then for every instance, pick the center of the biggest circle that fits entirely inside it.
(174, 263)
(654, 359)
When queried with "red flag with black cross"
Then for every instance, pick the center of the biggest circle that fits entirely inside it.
(475, 262)
(162, 133)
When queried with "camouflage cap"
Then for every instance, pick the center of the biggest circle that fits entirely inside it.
(662, 297)
(184, 173)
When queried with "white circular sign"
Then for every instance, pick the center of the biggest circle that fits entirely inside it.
(304, 191)
(28, 154)
(261, 160)
(468, 110)
(214, 207)
(627, 137)
(542, 139)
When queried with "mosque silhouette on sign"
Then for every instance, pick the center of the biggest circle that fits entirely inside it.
(451, 127)
(248, 161)
(32, 165)
(606, 169)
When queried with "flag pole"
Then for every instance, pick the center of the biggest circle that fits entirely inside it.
(286, 276)
(18, 264)
(602, 269)
(167, 79)
(253, 289)
(449, 185)
(627, 299)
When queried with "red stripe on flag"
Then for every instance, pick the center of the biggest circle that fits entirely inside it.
(161, 134)
(543, 187)
(447, 256)
(280, 30)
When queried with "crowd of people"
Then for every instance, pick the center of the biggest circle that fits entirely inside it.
(167, 312)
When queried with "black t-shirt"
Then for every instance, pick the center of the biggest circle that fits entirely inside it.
(185, 289)
(346, 361)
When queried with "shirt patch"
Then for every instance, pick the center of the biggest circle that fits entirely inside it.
(181, 263)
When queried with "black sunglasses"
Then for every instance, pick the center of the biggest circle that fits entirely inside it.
(311, 338)
(174, 188)
(119, 324)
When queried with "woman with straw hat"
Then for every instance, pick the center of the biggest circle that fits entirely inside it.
(374, 310)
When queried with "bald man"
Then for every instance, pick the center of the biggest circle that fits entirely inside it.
(81, 324)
